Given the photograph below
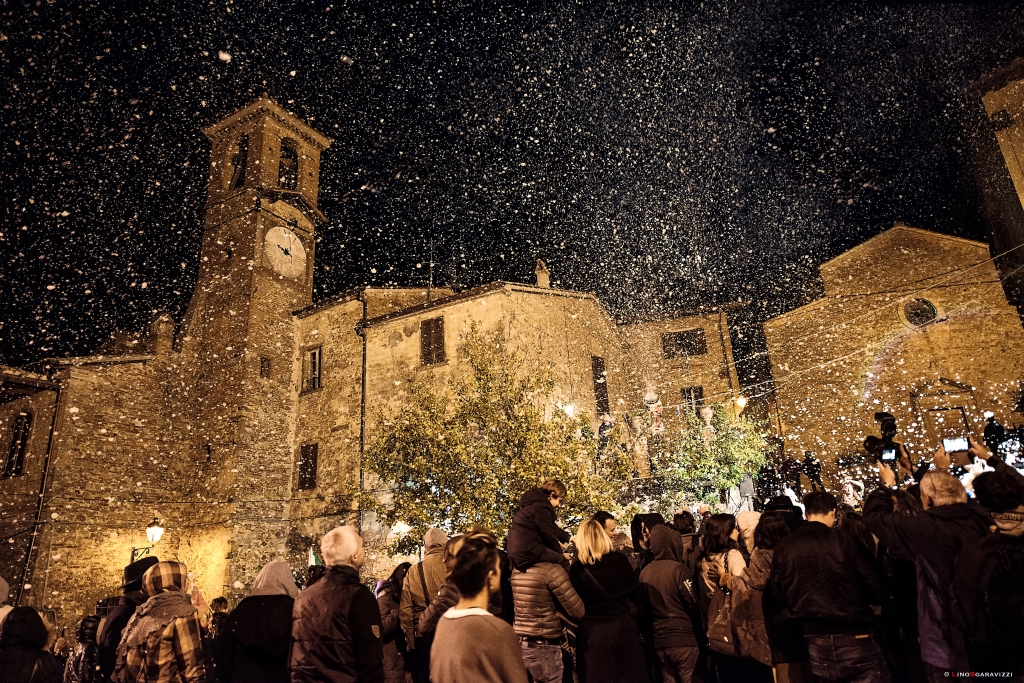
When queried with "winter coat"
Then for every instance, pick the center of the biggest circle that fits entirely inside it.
(540, 593)
(447, 597)
(254, 641)
(826, 580)
(336, 631)
(83, 664)
(931, 540)
(534, 537)
(388, 602)
(163, 640)
(113, 628)
(608, 646)
(669, 586)
(747, 607)
(710, 569)
(414, 601)
(5, 593)
(22, 657)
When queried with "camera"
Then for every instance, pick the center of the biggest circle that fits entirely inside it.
(883, 448)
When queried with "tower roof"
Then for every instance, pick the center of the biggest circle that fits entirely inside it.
(264, 106)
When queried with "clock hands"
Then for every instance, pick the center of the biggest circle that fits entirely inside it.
(286, 252)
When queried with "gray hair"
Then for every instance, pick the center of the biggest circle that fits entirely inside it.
(340, 545)
(943, 488)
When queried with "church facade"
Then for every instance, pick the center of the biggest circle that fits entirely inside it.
(240, 428)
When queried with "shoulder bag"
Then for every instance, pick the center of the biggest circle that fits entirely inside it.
(721, 634)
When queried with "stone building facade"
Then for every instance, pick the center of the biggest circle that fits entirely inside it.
(241, 428)
(912, 322)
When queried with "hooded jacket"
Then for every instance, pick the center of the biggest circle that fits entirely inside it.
(83, 665)
(257, 633)
(534, 537)
(22, 639)
(539, 594)
(429, 571)
(931, 540)
(163, 640)
(5, 593)
(669, 585)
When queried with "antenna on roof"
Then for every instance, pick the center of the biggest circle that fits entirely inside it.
(430, 272)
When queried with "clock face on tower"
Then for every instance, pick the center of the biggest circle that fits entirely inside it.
(284, 252)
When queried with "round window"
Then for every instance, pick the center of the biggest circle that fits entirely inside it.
(919, 312)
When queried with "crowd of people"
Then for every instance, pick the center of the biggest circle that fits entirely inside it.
(922, 584)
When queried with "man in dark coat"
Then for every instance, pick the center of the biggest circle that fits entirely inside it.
(23, 656)
(673, 606)
(931, 540)
(118, 618)
(336, 628)
(828, 582)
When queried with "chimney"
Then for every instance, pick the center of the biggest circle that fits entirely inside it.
(161, 334)
(543, 276)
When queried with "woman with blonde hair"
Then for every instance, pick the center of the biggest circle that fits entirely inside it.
(608, 645)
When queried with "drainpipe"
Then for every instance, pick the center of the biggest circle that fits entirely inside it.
(39, 503)
(361, 331)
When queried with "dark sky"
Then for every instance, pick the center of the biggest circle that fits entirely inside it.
(661, 154)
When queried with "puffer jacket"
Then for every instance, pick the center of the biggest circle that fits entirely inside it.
(538, 593)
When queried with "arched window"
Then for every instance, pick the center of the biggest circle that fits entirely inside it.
(238, 163)
(288, 169)
(15, 463)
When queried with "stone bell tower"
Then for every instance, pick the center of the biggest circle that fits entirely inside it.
(237, 342)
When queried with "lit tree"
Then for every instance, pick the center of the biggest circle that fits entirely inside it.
(700, 460)
(464, 456)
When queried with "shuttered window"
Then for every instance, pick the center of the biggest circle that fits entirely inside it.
(600, 384)
(308, 454)
(432, 341)
(14, 465)
(692, 396)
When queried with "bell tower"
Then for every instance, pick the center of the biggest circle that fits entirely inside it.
(237, 341)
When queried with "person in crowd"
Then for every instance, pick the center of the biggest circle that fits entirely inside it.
(760, 651)
(471, 644)
(5, 594)
(811, 467)
(620, 540)
(23, 655)
(421, 585)
(218, 616)
(606, 520)
(336, 632)
(447, 596)
(608, 645)
(314, 573)
(1001, 494)
(794, 516)
(720, 556)
(826, 580)
(640, 529)
(389, 599)
(540, 594)
(768, 484)
(932, 540)
(133, 596)
(83, 665)
(685, 524)
(674, 609)
(163, 639)
(534, 537)
(790, 472)
(746, 522)
(254, 640)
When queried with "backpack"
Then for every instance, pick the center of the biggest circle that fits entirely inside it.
(987, 600)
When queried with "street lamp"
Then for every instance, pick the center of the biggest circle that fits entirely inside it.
(154, 532)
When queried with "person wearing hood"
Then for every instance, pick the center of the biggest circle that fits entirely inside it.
(674, 607)
(421, 585)
(23, 657)
(113, 627)
(533, 536)
(163, 641)
(83, 665)
(389, 598)
(253, 645)
(932, 540)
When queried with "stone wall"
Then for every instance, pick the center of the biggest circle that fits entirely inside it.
(840, 359)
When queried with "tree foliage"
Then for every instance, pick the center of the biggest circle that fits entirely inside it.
(464, 454)
(700, 460)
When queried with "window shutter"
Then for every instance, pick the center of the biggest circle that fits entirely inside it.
(438, 340)
(597, 369)
(426, 330)
(15, 463)
(308, 456)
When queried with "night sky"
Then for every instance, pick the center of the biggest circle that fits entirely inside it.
(661, 154)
